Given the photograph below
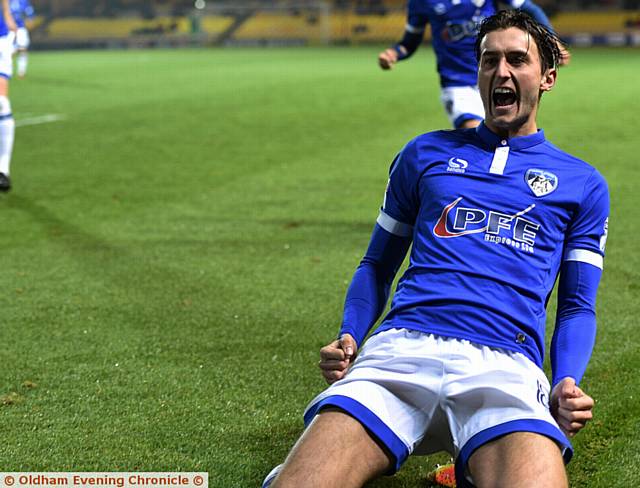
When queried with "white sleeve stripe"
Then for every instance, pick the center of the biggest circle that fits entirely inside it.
(517, 3)
(413, 29)
(584, 256)
(393, 226)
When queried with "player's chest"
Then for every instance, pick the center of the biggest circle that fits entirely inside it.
(495, 190)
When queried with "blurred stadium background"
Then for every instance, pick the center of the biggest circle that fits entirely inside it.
(139, 23)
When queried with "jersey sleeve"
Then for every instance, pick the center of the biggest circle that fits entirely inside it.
(575, 331)
(532, 9)
(369, 290)
(401, 201)
(587, 233)
(417, 19)
(514, 3)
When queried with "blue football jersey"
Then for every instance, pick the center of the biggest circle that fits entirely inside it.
(491, 222)
(454, 28)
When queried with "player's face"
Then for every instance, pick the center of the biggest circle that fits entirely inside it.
(511, 81)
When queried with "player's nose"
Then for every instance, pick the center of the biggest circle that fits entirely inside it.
(502, 68)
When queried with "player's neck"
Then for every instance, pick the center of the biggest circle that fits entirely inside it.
(509, 131)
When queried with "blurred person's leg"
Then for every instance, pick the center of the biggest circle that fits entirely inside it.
(7, 124)
(7, 130)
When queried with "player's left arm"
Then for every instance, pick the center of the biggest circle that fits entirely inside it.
(572, 344)
(539, 16)
(575, 330)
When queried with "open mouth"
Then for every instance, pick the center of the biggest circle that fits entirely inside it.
(503, 97)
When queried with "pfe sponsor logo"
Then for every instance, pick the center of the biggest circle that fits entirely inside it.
(500, 228)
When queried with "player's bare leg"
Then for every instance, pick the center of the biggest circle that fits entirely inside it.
(519, 460)
(335, 450)
(22, 61)
(7, 130)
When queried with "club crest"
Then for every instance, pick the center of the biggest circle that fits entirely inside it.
(541, 182)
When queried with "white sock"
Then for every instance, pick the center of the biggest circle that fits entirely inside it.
(21, 63)
(7, 131)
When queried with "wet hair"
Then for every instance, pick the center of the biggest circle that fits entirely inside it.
(546, 40)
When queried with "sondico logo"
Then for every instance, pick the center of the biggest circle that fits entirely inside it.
(457, 165)
(499, 228)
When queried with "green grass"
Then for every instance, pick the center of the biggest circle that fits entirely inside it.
(177, 249)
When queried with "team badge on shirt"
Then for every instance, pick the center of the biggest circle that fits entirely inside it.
(541, 182)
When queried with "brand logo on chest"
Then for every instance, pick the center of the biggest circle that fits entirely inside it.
(457, 165)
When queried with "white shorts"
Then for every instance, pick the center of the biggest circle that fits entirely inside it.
(22, 40)
(418, 394)
(6, 53)
(462, 103)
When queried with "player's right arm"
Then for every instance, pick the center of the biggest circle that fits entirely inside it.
(371, 284)
(365, 301)
(8, 17)
(413, 34)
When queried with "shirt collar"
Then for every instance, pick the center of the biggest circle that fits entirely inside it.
(492, 140)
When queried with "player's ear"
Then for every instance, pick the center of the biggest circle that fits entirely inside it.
(548, 80)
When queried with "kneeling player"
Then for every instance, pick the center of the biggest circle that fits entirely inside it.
(492, 215)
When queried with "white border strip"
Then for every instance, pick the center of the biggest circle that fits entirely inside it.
(413, 29)
(584, 256)
(393, 226)
(41, 119)
(499, 161)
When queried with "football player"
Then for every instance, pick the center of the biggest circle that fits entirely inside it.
(493, 215)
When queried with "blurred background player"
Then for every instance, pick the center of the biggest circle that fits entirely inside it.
(7, 124)
(21, 10)
(454, 27)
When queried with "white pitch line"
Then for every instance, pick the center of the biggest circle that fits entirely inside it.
(42, 119)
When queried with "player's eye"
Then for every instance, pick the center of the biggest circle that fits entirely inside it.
(488, 61)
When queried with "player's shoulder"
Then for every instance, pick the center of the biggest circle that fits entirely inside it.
(445, 137)
(585, 178)
(431, 146)
(573, 163)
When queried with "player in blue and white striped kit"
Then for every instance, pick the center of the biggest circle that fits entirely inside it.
(21, 11)
(7, 124)
(493, 215)
(454, 26)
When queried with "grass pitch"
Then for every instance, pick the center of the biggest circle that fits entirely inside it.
(177, 247)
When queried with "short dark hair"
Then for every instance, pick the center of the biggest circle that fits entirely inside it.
(547, 41)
